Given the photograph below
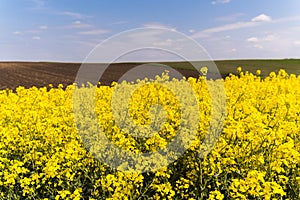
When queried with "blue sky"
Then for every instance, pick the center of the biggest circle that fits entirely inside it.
(65, 30)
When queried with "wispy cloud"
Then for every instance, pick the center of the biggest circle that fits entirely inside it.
(232, 17)
(252, 39)
(227, 27)
(38, 3)
(288, 19)
(119, 22)
(220, 2)
(89, 44)
(270, 38)
(17, 33)
(31, 31)
(36, 37)
(94, 32)
(267, 38)
(43, 27)
(74, 15)
(78, 25)
(166, 42)
(297, 42)
(256, 21)
(158, 25)
(258, 46)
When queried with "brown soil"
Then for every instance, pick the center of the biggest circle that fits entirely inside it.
(39, 74)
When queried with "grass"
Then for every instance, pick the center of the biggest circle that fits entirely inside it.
(292, 66)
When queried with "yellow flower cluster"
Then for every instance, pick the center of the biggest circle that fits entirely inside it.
(52, 149)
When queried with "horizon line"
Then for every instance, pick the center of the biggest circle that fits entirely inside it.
(149, 61)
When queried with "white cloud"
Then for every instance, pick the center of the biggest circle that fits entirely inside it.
(158, 25)
(36, 37)
(297, 42)
(288, 19)
(261, 18)
(270, 38)
(226, 27)
(220, 2)
(232, 17)
(119, 23)
(151, 34)
(94, 32)
(233, 50)
(278, 38)
(149, 44)
(79, 24)
(17, 33)
(258, 46)
(35, 31)
(192, 31)
(43, 27)
(252, 39)
(74, 15)
(256, 21)
(167, 42)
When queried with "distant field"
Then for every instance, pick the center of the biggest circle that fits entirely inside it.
(292, 66)
(14, 74)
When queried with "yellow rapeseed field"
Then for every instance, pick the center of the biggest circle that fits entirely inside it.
(49, 149)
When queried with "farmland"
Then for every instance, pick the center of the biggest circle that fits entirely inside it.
(49, 146)
(27, 74)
